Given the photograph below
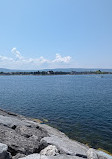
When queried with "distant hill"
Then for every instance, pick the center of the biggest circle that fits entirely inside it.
(78, 69)
(14, 70)
(5, 70)
(57, 69)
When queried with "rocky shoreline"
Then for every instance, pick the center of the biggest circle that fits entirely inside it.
(25, 138)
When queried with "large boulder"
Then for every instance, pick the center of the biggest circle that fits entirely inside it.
(91, 154)
(11, 121)
(18, 143)
(49, 151)
(65, 145)
(31, 132)
(21, 136)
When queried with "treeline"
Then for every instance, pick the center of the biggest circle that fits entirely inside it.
(55, 73)
(35, 73)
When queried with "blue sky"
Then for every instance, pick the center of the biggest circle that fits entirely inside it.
(37, 34)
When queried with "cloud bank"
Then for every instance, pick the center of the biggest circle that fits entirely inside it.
(20, 62)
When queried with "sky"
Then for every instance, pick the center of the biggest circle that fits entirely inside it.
(38, 34)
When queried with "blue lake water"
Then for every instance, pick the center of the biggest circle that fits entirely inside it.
(80, 106)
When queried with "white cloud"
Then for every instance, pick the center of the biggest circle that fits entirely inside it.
(4, 58)
(59, 58)
(16, 53)
(20, 62)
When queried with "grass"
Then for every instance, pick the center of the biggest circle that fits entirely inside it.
(40, 121)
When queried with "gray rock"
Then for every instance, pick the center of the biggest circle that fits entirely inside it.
(25, 137)
(3, 148)
(65, 145)
(16, 142)
(37, 156)
(91, 154)
(11, 121)
(52, 131)
(18, 156)
(20, 134)
(103, 155)
(64, 157)
(3, 152)
(49, 151)
(33, 156)
(34, 132)
(95, 154)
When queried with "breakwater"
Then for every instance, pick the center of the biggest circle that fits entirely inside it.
(25, 138)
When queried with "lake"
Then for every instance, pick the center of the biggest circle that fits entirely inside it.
(78, 105)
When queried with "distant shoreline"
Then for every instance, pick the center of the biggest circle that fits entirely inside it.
(57, 73)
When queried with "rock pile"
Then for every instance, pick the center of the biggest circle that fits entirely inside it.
(23, 138)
